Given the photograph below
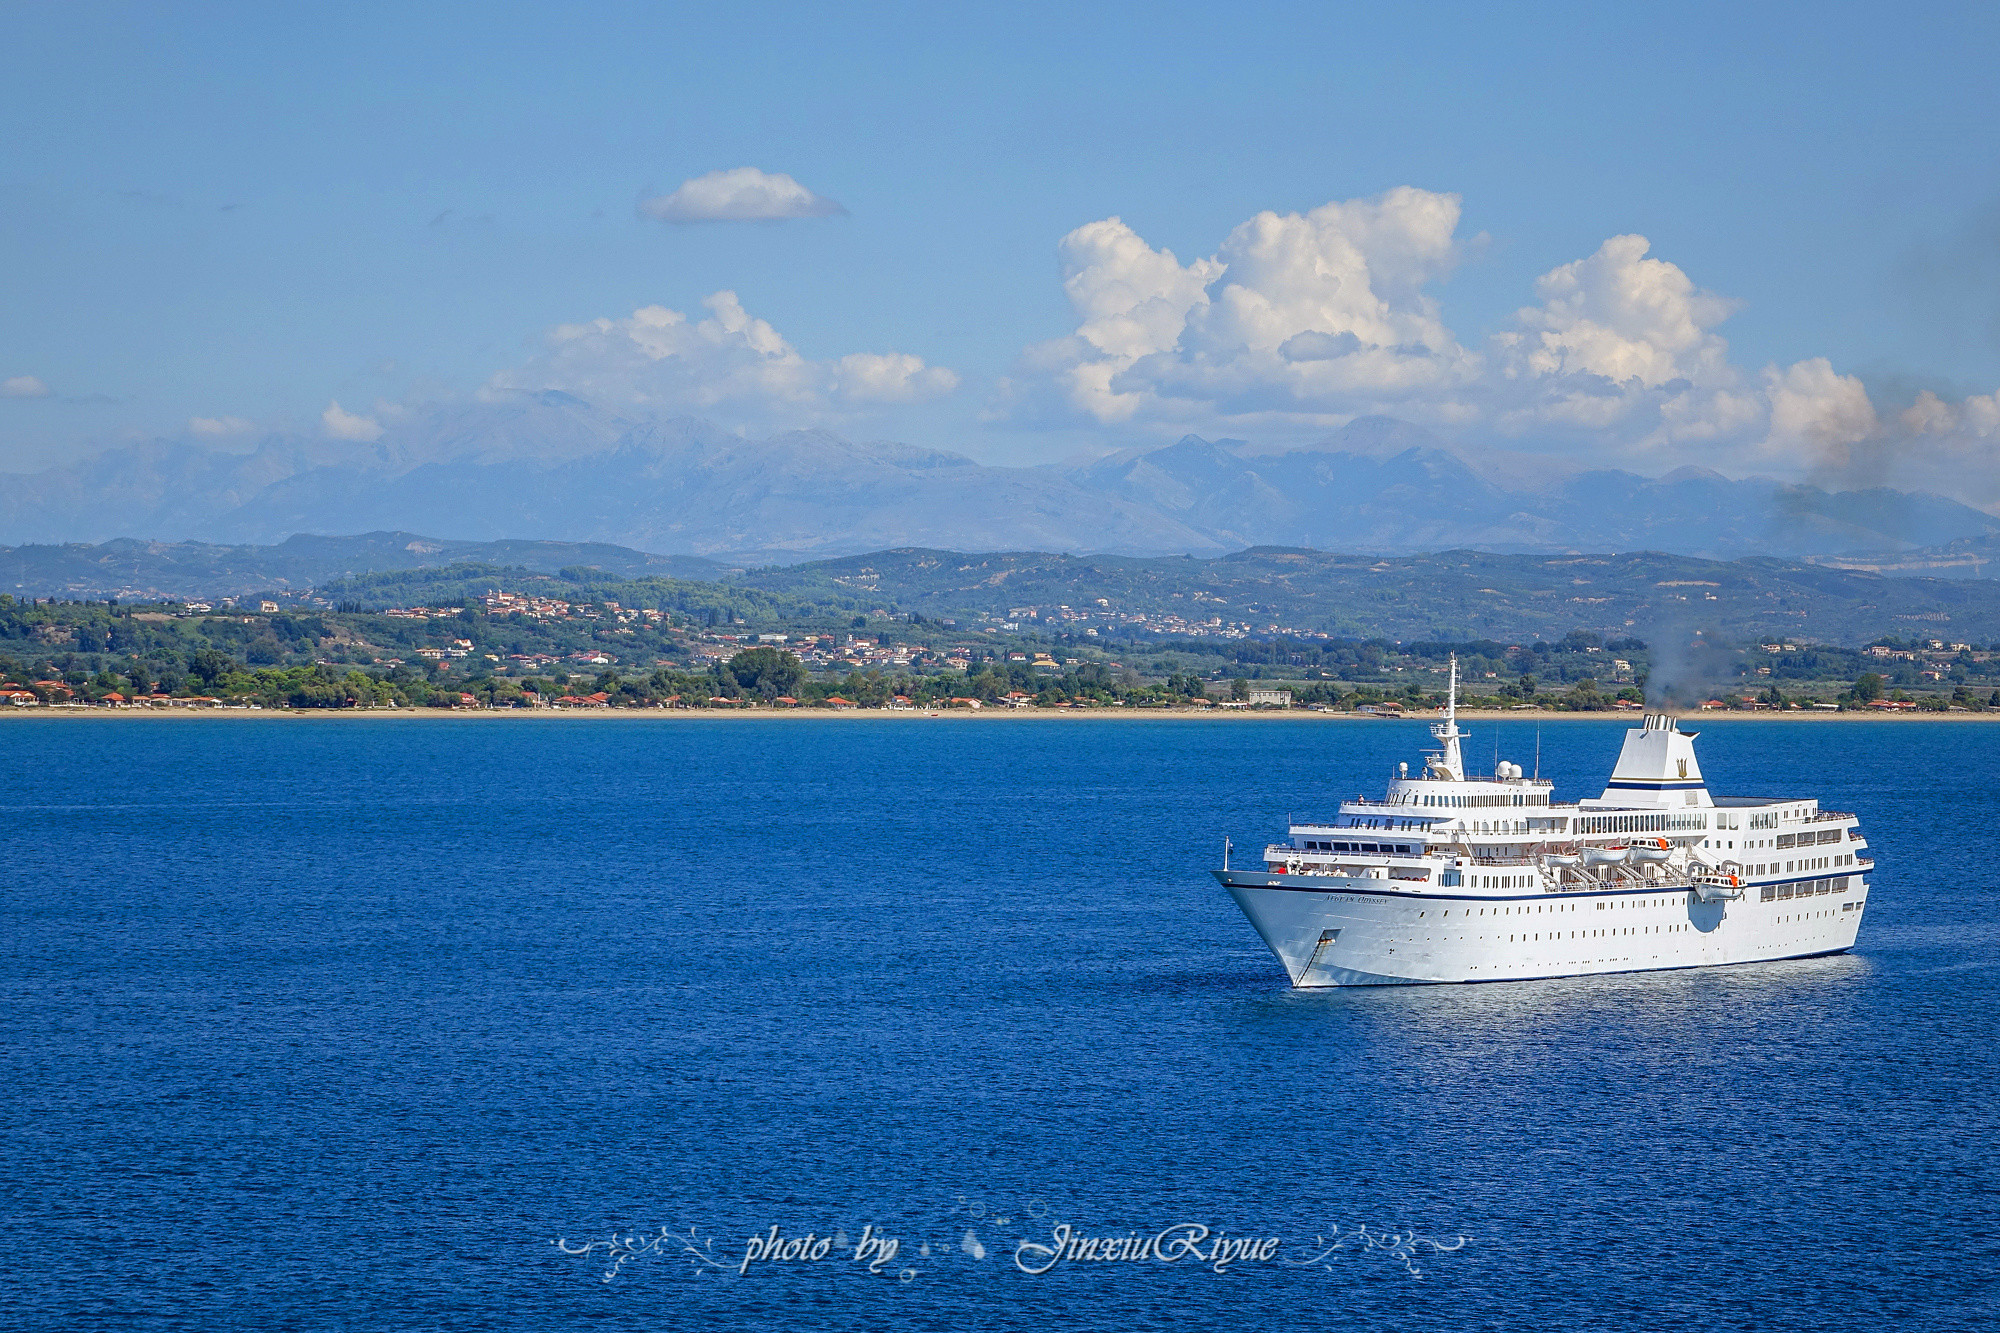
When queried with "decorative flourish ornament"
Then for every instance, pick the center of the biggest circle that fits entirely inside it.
(699, 1252)
(1405, 1246)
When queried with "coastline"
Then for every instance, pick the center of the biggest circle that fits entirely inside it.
(59, 713)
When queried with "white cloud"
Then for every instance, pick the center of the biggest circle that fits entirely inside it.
(216, 427)
(1975, 417)
(23, 386)
(1300, 322)
(868, 378)
(1624, 317)
(1297, 318)
(730, 365)
(1813, 409)
(344, 425)
(741, 194)
(1622, 350)
(1132, 298)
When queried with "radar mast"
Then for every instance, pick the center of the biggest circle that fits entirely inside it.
(1447, 763)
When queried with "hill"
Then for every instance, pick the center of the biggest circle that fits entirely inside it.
(1256, 592)
(1447, 595)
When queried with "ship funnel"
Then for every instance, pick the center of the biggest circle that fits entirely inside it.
(1657, 768)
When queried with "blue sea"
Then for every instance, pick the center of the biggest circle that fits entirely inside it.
(534, 1024)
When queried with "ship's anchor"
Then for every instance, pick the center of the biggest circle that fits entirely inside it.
(1326, 937)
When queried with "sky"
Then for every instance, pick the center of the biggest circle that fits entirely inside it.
(1757, 238)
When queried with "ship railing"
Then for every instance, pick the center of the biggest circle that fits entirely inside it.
(1595, 879)
(1823, 815)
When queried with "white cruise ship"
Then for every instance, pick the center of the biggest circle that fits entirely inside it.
(1450, 877)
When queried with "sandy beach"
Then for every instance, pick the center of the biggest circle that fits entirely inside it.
(61, 713)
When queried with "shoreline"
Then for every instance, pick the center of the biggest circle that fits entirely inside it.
(60, 713)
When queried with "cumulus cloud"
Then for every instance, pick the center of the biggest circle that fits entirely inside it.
(1813, 406)
(730, 365)
(1624, 317)
(1300, 322)
(1622, 349)
(23, 386)
(217, 427)
(1297, 317)
(340, 424)
(1975, 417)
(741, 194)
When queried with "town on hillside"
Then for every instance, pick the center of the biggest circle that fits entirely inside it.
(514, 648)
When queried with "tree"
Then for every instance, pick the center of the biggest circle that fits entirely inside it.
(1239, 688)
(767, 672)
(1868, 687)
(208, 665)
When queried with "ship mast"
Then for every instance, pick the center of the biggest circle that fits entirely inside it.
(1448, 764)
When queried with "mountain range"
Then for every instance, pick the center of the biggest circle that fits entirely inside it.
(1444, 595)
(551, 467)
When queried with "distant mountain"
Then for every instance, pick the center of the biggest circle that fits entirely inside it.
(1966, 558)
(138, 570)
(1399, 490)
(553, 468)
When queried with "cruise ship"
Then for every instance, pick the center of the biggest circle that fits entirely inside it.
(1455, 877)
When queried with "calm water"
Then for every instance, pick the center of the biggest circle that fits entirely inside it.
(338, 1024)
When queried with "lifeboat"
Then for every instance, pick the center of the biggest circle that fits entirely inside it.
(1606, 856)
(1652, 855)
(1712, 891)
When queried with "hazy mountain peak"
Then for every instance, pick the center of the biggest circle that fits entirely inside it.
(551, 467)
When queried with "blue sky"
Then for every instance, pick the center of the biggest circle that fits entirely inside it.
(239, 215)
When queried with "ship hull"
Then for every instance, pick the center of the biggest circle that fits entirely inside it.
(1329, 931)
